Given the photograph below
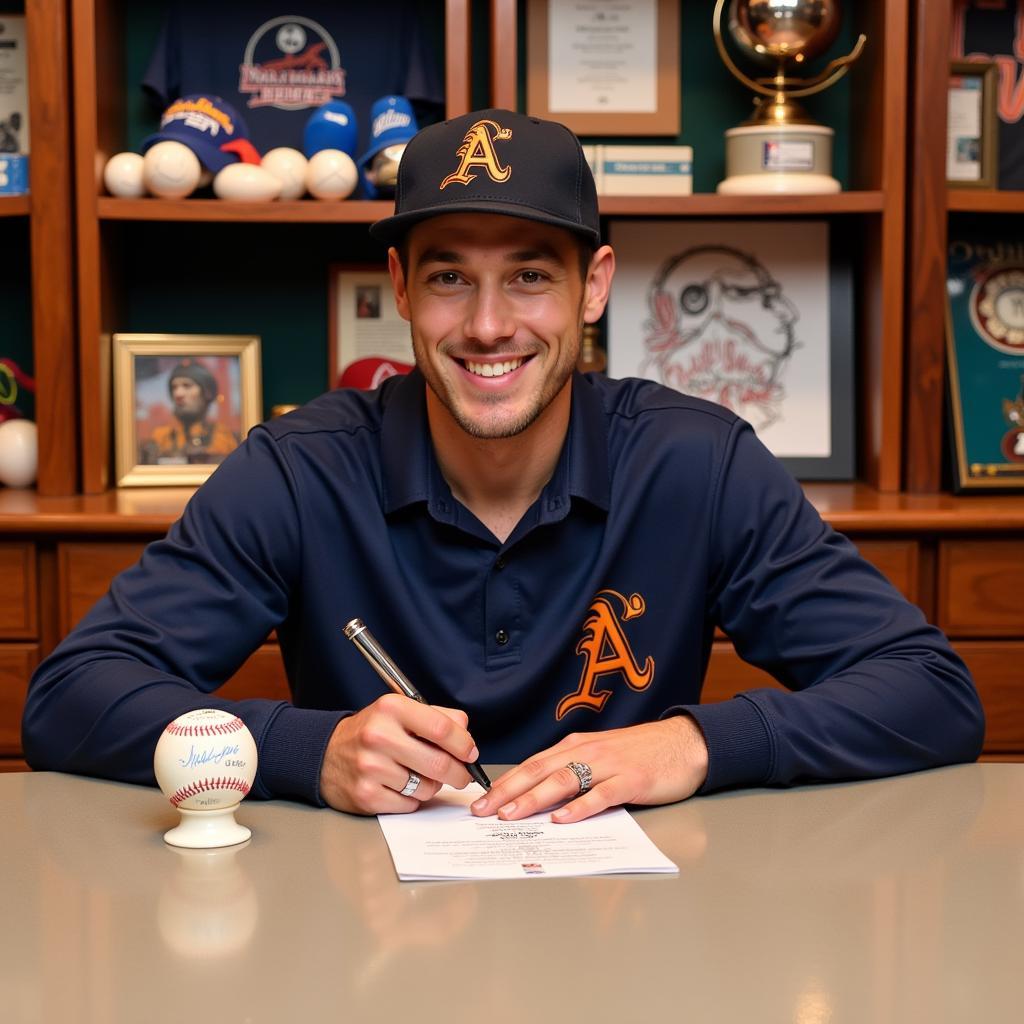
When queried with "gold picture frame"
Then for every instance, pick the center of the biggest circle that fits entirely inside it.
(602, 115)
(972, 148)
(165, 388)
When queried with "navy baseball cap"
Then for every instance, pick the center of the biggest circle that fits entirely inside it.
(494, 161)
(331, 126)
(205, 124)
(392, 122)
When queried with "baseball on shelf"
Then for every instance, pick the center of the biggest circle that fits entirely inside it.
(205, 763)
(289, 167)
(171, 170)
(19, 453)
(246, 181)
(123, 176)
(331, 174)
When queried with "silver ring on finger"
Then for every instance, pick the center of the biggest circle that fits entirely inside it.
(583, 773)
(411, 786)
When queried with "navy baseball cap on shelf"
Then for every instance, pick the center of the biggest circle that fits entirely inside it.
(331, 126)
(392, 122)
(495, 161)
(204, 124)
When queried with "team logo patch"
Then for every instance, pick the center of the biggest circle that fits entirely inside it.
(291, 63)
(477, 151)
(606, 651)
(997, 309)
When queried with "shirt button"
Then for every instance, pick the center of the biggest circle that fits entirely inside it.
(500, 563)
(502, 637)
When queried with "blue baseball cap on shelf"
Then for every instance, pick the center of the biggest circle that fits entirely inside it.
(332, 126)
(205, 124)
(392, 122)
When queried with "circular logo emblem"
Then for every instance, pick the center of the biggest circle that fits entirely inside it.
(997, 309)
(291, 38)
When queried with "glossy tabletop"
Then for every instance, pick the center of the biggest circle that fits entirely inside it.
(900, 900)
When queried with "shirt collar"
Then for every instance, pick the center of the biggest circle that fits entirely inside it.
(411, 473)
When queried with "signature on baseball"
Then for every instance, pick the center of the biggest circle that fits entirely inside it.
(226, 755)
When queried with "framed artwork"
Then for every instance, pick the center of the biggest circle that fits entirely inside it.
(364, 324)
(754, 315)
(985, 351)
(972, 138)
(182, 402)
(604, 67)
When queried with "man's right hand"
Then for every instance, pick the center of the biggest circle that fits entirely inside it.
(371, 754)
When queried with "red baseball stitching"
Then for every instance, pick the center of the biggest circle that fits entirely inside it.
(204, 785)
(206, 730)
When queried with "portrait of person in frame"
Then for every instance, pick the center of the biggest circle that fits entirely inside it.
(188, 409)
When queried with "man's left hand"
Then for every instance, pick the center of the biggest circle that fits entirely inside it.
(654, 763)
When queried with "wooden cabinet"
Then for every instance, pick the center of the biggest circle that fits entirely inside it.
(96, 264)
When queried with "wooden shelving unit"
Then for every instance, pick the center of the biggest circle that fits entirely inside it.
(15, 206)
(959, 558)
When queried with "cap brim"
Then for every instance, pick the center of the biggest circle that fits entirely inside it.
(208, 153)
(392, 230)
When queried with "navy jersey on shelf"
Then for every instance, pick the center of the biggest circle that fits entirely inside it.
(985, 30)
(277, 63)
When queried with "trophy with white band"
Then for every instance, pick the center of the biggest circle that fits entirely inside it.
(780, 149)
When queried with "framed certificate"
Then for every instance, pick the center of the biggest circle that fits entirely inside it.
(604, 67)
(972, 134)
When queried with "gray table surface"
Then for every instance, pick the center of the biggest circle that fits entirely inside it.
(899, 900)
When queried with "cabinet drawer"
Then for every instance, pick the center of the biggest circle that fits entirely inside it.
(897, 560)
(18, 615)
(728, 674)
(86, 570)
(16, 664)
(981, 587)
(998, 670)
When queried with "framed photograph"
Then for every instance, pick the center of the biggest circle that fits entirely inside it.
(182, 402)
(604, 67)
(756, 316)
(364, 324)
(972, 137)
(985, 351)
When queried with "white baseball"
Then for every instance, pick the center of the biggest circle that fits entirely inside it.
(331, 174)
(205, 760)
(246, 181)
(289, 167)
(19, 453)
(171, 170)
(123, 176)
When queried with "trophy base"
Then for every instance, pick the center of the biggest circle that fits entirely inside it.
(791, 159)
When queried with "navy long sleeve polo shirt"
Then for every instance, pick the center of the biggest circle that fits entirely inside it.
(664, 518)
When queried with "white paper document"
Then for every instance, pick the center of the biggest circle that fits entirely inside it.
(444, 840)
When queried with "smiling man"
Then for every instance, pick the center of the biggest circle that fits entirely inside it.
(546, 554)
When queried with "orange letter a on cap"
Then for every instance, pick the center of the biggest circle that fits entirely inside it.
(606, 649)
(477, 150)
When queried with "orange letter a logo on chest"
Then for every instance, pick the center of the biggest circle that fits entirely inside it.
(605, 650)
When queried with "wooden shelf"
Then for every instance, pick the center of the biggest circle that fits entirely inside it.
(313, 211)
(714, 205)
(979, 200)
(362, 211)
(850, 507)
(15, 206)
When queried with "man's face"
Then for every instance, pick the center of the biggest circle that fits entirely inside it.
(187, 397)
(496, 306)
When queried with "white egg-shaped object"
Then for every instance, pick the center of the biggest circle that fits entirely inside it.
(171, 170)
(122, 176)
(19, 453)
(331, 174)
(289, 167)
(246, 181)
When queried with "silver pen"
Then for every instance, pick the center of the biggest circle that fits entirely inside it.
(395, 678)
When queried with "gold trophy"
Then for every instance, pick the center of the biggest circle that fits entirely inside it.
(779, 148)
